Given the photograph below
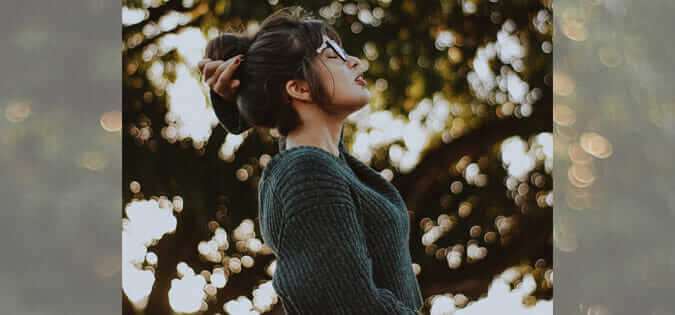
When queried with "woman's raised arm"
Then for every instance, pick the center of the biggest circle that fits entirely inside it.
(223, 92)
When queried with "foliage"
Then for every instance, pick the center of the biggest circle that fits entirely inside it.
(474, 76)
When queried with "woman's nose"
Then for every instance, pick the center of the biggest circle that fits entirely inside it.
(353, 62)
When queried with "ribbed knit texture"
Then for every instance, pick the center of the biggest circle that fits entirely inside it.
(340, 235)
(338, 229)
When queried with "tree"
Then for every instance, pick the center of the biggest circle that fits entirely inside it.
(468, 80)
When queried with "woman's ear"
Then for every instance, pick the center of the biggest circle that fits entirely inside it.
(299, 90)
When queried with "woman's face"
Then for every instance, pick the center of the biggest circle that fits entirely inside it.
(343, 80)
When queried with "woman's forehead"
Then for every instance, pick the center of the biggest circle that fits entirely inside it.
(331, 34)
(336, 41)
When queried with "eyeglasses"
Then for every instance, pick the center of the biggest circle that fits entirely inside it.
(332, 44)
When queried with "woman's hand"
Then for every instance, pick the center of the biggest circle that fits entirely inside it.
(217, 75)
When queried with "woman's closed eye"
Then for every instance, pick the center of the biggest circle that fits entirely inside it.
(332, 55)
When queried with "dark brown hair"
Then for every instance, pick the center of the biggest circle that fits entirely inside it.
(281, 50)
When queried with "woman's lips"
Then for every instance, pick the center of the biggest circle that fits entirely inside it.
(360, 80)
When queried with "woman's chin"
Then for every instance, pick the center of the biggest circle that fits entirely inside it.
(366, 97)
(358, 103)
(356, 106)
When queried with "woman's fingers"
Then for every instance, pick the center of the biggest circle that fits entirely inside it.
(224, 73)
(210, 67)
(223, 87)
(207, 66)
(222, 66)
(213, 78)
(202, 63)
(232, 66)
(223, 84)
(218, 74)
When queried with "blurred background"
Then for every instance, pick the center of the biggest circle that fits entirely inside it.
(460, 121)
(614, 126)
(60, 157)
(61, 137)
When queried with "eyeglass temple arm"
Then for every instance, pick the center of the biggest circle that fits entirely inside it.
(323, 45)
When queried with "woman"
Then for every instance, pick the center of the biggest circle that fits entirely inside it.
(338, 229)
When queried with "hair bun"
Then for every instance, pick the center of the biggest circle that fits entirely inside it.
(279, 51)
(227, 46)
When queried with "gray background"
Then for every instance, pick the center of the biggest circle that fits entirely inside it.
(613, 66)
(60, 169)
(60, 232)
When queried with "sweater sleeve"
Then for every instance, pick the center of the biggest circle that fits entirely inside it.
(322, 246)
(228, 114)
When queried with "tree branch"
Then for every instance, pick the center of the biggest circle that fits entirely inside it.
(534, 233)
(138, 48)
(155, 14)
(529, 244)
(415, 184)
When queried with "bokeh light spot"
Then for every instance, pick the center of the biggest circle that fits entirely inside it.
(112, 121)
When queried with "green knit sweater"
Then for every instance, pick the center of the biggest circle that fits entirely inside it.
(340, 234)
(339, 231)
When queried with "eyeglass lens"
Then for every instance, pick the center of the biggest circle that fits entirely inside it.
(338, 50)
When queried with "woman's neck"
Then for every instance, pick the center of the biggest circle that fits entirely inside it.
(318, 134)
